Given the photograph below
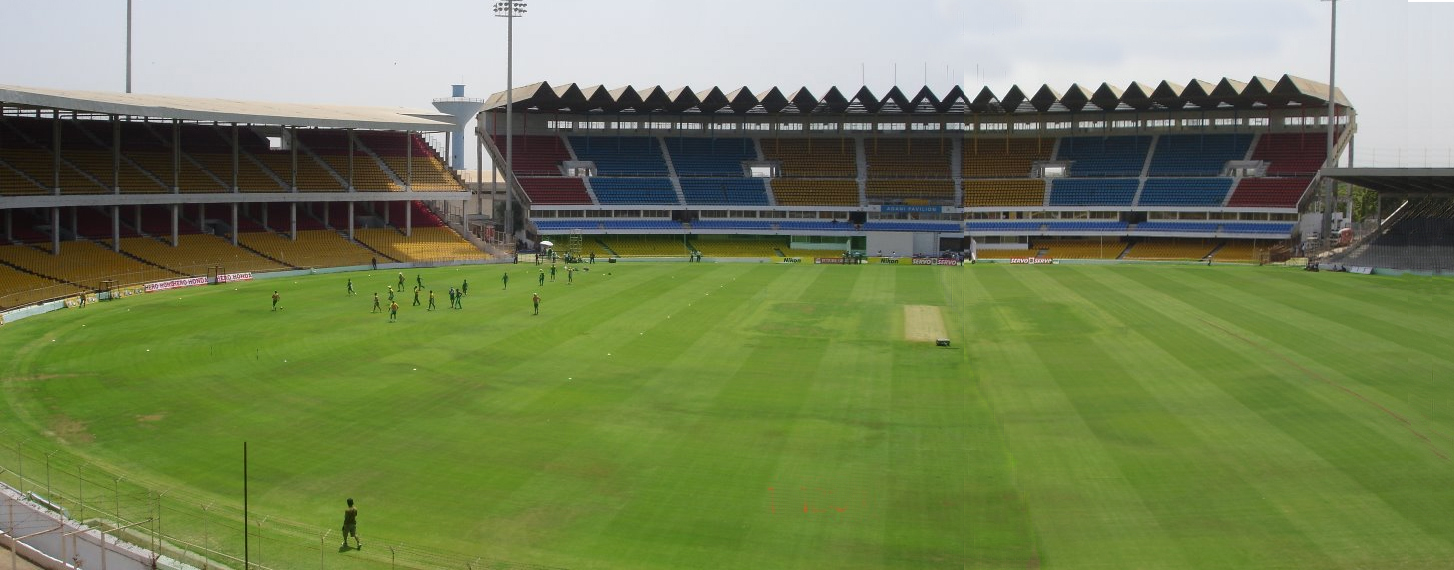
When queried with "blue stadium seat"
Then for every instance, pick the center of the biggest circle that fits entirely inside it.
(1003, 225)
(815, 226)
(1187, 192)
(1197, 155)
(1169, 226)
(640, 225)
(621, 156)
(1093, 192)
(1104, 156)
(725, 191)
(1085, 226)
(634, 191)
(1282, 229)
(710, 157)
(719, 224)
(894, 226)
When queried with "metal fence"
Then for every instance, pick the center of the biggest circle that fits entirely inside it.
(204, 531)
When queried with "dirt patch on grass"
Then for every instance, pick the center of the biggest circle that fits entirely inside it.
(40, 377)
(71, 430)
(923, 323)
(150, 418)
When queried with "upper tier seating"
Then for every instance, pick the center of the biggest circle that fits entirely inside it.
(1292, 154)
(14, 183)
(1093, 192)
(1197, 155)
(796, 192)
(939, 191)
(710, 157)
(733, 224)
(725, 191)
(1177, 226)
(1003, 225)
(621, 156)
(898, 226)
(908, 158)
(1003, 158)
(634, 191)
(1021, 192)
(1268, 192)
(535, 155)
(1105, 156)
(1277, 229)
(1185, 192)
(814, 158)
(555, 190)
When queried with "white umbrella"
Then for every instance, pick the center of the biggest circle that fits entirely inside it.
(547, 243)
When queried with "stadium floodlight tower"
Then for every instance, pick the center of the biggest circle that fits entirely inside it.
(462, 109)
(509, 10)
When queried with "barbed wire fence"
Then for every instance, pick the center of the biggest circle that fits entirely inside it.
(198, 530)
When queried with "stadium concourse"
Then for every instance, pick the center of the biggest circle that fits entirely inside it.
(1201, 171)
(105, 190)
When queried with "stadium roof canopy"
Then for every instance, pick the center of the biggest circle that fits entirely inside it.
(1260, 93)
(225, 110)
(1397, 181)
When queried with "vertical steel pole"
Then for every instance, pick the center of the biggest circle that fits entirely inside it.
(1328, 184)
(128, 46)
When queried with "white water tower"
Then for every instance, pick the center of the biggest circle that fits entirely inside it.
(463, 109)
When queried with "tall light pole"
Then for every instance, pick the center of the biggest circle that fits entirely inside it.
(128, 46)
(1329, 186)
(509, 10)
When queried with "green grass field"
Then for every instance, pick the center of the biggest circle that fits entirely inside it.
(664, 416)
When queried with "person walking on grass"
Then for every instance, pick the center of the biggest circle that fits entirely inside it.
(535, 299)
(505, 279)
(416, 295)
(432, 306)
(393, 311)
(350, 525)
(351, 292)
(275, 299)
(552, 273)
(377, 306)
(464, 288)
(401, 281)
(542, 278)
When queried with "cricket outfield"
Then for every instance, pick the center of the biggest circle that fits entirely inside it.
(664, 416)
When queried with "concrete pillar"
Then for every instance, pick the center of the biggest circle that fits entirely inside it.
(55, 231)
(116, 228)
(293, 222)
(350, 222)
(176, 224)
(234, 223)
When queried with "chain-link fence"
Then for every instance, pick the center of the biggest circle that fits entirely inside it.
(202, 531)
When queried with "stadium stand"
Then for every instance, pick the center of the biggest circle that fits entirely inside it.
(1177, 226)
(634, 191)
(1185, 192)
(1104, 156)
(797, 192)
(196, 254)
(621, 156)
(560, 191)
(313, 248)
(1092, 192)
(814, 158)
(1197, 155)
(1006, 193)
(1421, 239)
(910, 191)
(19, 288)
(646, 246)
(1268, 192)
(1007, 158)
(710, 157)
(1162, 249)
(536, 155)
(1080, 249)
(1292, 154)
(725, 191)
(83, 263)
(890, 158)
(426, 245)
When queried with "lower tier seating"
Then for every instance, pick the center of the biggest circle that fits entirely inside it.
(427, 244)
(84, 263)
(198, 254)
(313, 248)
(1008, 193)
(18, 288)
(647, 246)
(1171, 249)
(1268, 192)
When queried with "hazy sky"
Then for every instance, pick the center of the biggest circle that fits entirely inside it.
(1394, 59)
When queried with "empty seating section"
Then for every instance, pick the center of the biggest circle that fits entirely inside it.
(809, 254)
(1081, 249)
(797, 192)
(626, 225)
(427, 244)
(741, 225)
(280, 218)
(14, 182)
(1170, 249)
(196, 254)
(1104, 156)
(555, 190)
(1197, 155)
(634, 191)
(1093, 192)
(710, 157)
(814, 226)
(546, 226)
(740, 247)
(101, 166)
(647, 246)
(897, 226)
(1268, 192)
(534, 155)
(18, 288)
(1003, 158)
(1085, 226)
(937, 191)
(621, 156)
(84, 263)
(332, 147)
(1238, 250)
(1292, 154)
(908, 158)
(313, 248)
(813, 158)
(725, 191)
(311, 175)
(1271, 229)
(1003, 225)
(39, 166)
(212, 148)
(1011, 193)
(1185, 192)
(157, 221)
(96, 223)
(1188, 227)
(1004, 253)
